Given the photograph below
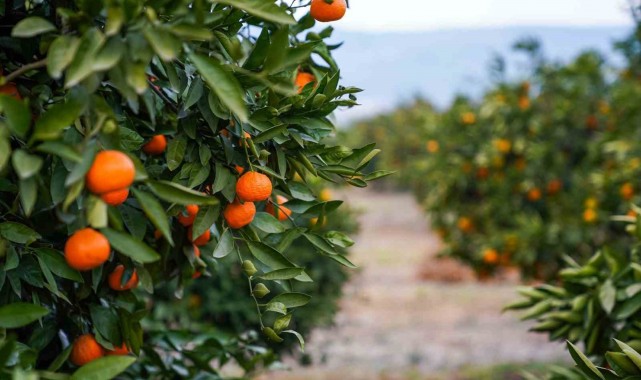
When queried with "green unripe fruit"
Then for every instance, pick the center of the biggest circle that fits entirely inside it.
(249, 268)
(260, 290)
(109, 127)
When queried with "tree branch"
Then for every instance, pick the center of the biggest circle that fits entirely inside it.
(26, 68)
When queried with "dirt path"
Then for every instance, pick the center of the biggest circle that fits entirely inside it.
(394, 326)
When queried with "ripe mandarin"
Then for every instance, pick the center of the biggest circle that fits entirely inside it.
(155, 146)
(111, 170)
(115, 279)
(86, 249)
(85, 349)
(116, 197)
(238, 215)
(281, 212)
(328, 10)
(253, 187)
(188, 215)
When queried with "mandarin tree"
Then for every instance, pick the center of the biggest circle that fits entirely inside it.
(140, 144)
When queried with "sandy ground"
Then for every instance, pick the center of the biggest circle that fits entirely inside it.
(392, 325)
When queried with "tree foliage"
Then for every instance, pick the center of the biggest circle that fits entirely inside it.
(217, 80)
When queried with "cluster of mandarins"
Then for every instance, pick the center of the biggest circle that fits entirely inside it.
(110, 176)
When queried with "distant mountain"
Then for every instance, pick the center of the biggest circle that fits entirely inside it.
(395, 67)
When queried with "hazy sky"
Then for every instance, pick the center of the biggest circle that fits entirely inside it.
(380, 15)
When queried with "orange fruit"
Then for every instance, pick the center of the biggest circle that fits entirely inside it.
(491, 256)
(157, 234)
(200, 240)
(482, 173)
(325, 195)
(524, 103)
(155, 146)
(122, 350)
(302, 79)
(253, 187)
(328, 10)
(534, 194)
(627, 191)
(197, 273)
(432, 146)
(503, 145)
(592, 122)
(85, 349)
(468, 118)
(465, 224)
(239, 169)
(281, 212)
(111, 170)
(238, 215)
(554, 186)
(10, 89)
(115, 279)
(188, 215)
(116, 197)
(87, 249)
(590, 216)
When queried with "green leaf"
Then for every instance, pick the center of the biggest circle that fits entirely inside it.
(130, 246)
(282, 322)
(628, 307)
(223, 83)
(55, 261)
(18, 233)
(607, 296)
(178, 194)
(155, 212)
(283, 274)
(105, 321)
(291, 300)
(267, 223)
(18, 117)
(343, 261)
(378, 174)
(634, 356)
(163, 43)
(271, 335)
(268, 255)
(320, 243)
(223, 177)
(300, 338)
(28, 194)
(50, 125)
(25, 164)
(20, 314)
(265, 9)
(105, 368)
(205, 218)
(584, 364)
(60, 149)
(32, 26)
(82, 65)
(5, 152)
(61, 53)
(276, 307)
(175, 152)
(225, 245)
(339, 239)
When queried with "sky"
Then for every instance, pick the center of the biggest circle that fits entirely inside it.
(420, 15)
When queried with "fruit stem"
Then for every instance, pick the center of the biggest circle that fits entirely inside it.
(251, 292)
(23, 69)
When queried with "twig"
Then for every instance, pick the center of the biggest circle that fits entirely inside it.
(25, 68)
(162, 96)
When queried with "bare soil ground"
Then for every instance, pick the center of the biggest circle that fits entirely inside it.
(393, 325)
